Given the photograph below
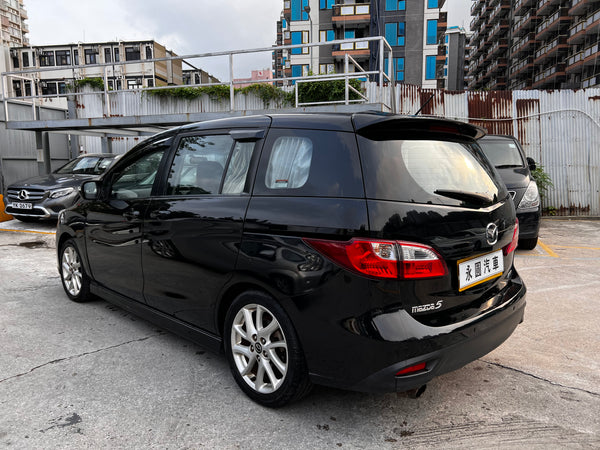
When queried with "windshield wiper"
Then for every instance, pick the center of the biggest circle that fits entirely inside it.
(508, 166)
(468, 197)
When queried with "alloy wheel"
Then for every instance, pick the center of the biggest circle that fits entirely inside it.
(259, 348)
(71, 271)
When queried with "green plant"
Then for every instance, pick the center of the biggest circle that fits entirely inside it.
(264, 91)
(543, 181)
(94, 83)
(216, 93)
(267, 93)
(327, 91)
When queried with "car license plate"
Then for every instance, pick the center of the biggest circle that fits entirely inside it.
(474, 271)
(22, 205)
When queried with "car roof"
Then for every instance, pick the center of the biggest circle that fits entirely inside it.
(348, 122)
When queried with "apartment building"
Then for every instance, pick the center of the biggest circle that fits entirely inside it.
(13, 30)
(455, 61)
(128, 68)
(535, 44)
(414, 29)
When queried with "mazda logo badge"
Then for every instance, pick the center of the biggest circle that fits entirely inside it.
(491, 234)
(23, 195)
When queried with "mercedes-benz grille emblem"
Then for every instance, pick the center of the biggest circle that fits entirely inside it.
(491, 234)
(23, 195)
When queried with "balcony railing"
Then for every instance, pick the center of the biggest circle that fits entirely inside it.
(523, 43)
(559, 68)
(521, 65)
(575, 59)
(593, 81)
(551, 46)
(524, 23)
(552, 22)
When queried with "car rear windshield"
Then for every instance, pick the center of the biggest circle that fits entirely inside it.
(428, 171)
(89, 165)
(502, 153)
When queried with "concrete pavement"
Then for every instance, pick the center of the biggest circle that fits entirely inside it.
(93, 376)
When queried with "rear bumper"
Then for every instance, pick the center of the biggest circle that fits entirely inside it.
(478, 341)
(442, 349)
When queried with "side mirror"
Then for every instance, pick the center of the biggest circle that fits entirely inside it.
(89, 190)
(531, 163)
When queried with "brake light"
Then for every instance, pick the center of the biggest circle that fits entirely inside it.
(514, 242)
(383, 259)
(412, 369)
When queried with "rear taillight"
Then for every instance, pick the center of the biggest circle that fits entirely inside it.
(412, 369)
(383, 259)
(514, 242)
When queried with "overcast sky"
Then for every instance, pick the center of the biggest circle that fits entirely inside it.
(184, 26)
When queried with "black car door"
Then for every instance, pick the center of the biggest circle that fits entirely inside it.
(192, 233)
(113, 232)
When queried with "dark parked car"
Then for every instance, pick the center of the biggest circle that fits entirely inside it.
(370, 252)
(43, 197)
(507, 155)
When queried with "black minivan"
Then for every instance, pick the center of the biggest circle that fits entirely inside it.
(364, 251)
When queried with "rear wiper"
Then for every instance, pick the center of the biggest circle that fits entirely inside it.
(469, 197)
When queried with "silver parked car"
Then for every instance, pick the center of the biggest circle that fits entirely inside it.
(43, 197)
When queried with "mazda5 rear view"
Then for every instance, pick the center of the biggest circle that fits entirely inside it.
(369, 252)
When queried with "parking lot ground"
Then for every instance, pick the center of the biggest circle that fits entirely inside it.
(93, 376)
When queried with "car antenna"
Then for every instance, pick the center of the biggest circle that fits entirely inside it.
(424, 104)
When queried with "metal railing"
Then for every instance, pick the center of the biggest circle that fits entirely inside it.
(377, 44)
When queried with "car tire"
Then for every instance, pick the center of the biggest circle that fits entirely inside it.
(72, 273)
(264, 352)
(528, 244)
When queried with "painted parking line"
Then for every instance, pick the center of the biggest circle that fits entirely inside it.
(578, 248)
(26, 231)
(547, 249)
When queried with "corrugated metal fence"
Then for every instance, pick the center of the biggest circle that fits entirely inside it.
(560, 129)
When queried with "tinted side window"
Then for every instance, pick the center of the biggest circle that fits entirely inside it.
(199, 165)
(308, 163)
(136, 179)
(413, 170)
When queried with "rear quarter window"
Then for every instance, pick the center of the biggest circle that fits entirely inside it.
(412, 170)
(308, 163)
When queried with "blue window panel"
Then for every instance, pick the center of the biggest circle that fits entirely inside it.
(400, 76)
(330, 35)
(327, 4)
(296, 70)
(401, 40)
(432, 31)
(401, 27)
(349, 34)
(296, 10)
(284, 23)
(432, 4)
(447, 38)
(445, 72)
(400, 64)
(296, 39)
(391, 5)
(430, 67)
(401, 5)
(391, 33)
(385, 66)
(304, 14)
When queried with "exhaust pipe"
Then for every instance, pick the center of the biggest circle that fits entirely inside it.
(413, 393)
